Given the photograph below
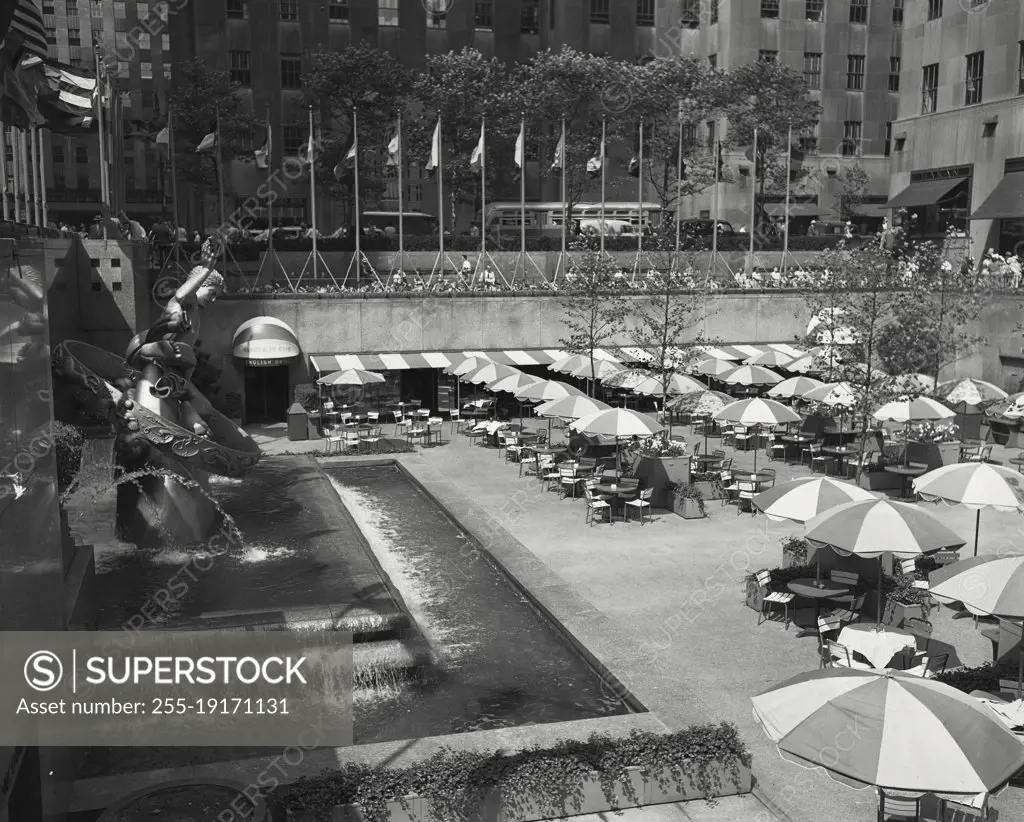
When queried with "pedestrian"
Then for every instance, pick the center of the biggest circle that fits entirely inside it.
(181, 234)
(467, 268)
(489, 280)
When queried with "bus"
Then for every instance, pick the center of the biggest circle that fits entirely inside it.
(545, 219)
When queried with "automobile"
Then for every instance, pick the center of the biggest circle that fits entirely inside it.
(705, 228)
(822, 228)
(612, 228)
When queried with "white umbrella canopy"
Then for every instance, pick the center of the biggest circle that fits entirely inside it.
(513, 383)
(468, 365)
(911, 384)
(803, 499)
(490, 373)
(627, 379)
(677, 384)
(793, 387)
(570, 363)
(969, 392)
(912, 409)
(809, 363)
(756, 412)
(713, 367)
(572, 407)
(750, 375)
(600, 370)
(352, 376)
(836, 394)
(548, 390)
(770, 359)
(618, 422)
(906, 733)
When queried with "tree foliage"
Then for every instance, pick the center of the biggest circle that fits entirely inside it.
(851, 194)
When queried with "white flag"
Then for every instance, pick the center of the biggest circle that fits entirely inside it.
(520, 145)
(559, 163)
(308, 155)
(435, 148)
(394, 148)
(476, 161)
(596, 163)
(163, 137)
(208, 142)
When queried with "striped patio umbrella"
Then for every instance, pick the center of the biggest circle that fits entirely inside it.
(467, 365)
(809, 363)
(803, 499)
(352, 376)
(677, 384)
(545, 390)
(770, 359)
(793, 387)
(756, 412)
(700, 404)
(891, 730)
(875, 527)
(713, 367)
(975, 485)
(570, 363)
(571, 408)
(910, 384)
(969, 393)
(600, 370)
(492, 372)
(835, 394)
(985, 586)
(618, 423)
(750, 375)
(627, 379)
(912, 409)
(513, 383)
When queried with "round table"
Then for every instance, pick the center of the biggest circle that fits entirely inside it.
(797, 439)
(618, 492)
(809, 589)
(704, 460)
(551, 452)
(840, 452)
(908, 472)
(1019, 462)
(878, 645)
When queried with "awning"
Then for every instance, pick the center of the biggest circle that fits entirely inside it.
(924, 192)
(265, 341)
(1006, 202)
(872, 210)
(795, 209)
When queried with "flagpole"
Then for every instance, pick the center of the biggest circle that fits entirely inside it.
(440, 195)
(270, 199)
(785, 229)
(522, 195)
(355, 191)
(604, 163)
(312, 192)
(101, 136)
(3, 171)
(640, 197)
(401, 195)
(753, 206)
(42, 180)
(483, 193)
(174, 168)
(714, 228)
(565, 203)
(26, 164)
(220, 188)
(37, 167)
(16, 162)
(679, 185)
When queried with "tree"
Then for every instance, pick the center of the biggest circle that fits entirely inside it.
(377, 86)
(851, 195)
(200, 93)
(463, 87)
(771, 98)
(666, 322)
(674, 93)
(593, 303)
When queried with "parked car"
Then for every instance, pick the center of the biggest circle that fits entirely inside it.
(706, 228)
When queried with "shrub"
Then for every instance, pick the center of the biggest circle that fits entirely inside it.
(795, 549)
(308, 397)
(982, 678)
(68, 442)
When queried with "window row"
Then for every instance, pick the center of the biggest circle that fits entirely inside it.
(814, 10)
(855, 70)
(974, 80)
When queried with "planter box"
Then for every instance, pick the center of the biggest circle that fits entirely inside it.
(710, 490)
(639, 788)
(658, 472)
(688, 508)
(900, 612)
(880, 481)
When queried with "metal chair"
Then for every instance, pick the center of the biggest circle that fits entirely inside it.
(783, 598)
(898, 808)
(642, 503)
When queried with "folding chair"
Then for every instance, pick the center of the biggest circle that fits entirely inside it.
(783, 598)
(898, 808)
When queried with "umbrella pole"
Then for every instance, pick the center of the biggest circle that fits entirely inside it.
(977, 528)
(878, 616)
(757, 439)
(1020, 663)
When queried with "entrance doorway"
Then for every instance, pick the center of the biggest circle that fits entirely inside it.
(267, 393)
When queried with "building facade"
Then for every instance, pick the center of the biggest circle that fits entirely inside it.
(134, 40)
(850, 55)
(958, 141)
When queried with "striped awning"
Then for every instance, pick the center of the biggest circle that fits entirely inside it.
(265, 341)
(327, 363)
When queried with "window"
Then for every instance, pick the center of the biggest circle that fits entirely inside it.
(814, 10)
(769, 8)
(75, 37)
(337, 10)
(929, 88)
(713, 60)
(599, 11)
(165, 42)
(894, 73)
(81, 155)
(241, 69)
(51, 35)
(852, 131)
(146, 70)
(713, 17)
(291, 71)
(293, 139)
(974, 78)
(58, 154)
(767, 56)
(141, 10)
(144, 41)
(529, 22)
(437, 13)
(123, 68)
(888, 139)
(48, 7)
(712, 133)
(71, 8)
(858, 11)
(289, 9)
(119, 10)
(897, 12)
(238, 9)
(855, 72)
(483, 14)
(645, 12)
(812, 69)
(808, 140)
(689, 14)
(934, 9)
(387, 12)
(1020, 67)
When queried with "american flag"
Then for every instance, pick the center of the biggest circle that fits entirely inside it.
(27, 25)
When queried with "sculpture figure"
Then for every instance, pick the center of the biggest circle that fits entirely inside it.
(168, 437)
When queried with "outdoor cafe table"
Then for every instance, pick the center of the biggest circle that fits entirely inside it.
(908, 472)
(756, 476)
(705, 461)
(797, 440)
(841, 453)
(618, 494)
(817, 590)
(878, 645)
